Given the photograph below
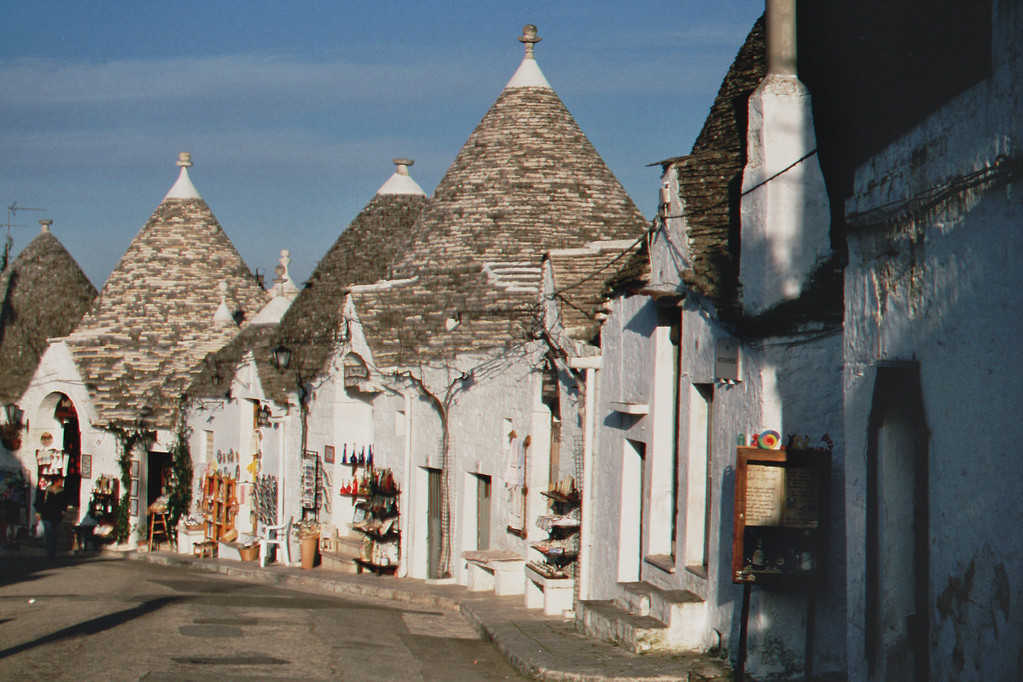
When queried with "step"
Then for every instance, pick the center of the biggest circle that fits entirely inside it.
(343, 558)
(601, 619)
(671, 607)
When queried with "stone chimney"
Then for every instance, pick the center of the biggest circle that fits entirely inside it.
(786, 215)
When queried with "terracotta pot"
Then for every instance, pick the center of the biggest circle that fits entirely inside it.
(309, 547)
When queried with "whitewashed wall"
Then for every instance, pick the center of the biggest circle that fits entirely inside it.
(218, 426)
(503, 395)
(58, 374)
(788, 384)
(943, 291)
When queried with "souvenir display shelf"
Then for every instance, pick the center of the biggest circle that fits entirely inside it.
(103, 504)
(560, 550)
(219, 505)
(375, 516)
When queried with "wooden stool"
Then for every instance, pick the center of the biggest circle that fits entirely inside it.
(206, 548)
(158, 524)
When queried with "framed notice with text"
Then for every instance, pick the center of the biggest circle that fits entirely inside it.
(780, 525)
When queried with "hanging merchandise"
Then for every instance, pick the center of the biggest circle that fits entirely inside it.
(312, 481)
(375, 516)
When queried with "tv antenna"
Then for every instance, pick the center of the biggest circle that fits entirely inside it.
(12, 210)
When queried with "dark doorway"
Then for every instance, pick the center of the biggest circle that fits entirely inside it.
(898, 626)
(158, 475)
(483, 492)
(433, 523)
(72, 446)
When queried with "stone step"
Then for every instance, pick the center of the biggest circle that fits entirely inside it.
(343, 557)
(674, 608)
(601, 619)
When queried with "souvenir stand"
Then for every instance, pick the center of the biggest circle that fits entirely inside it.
(103, 503)
(219, 506)
(375, 494)
(550, 580)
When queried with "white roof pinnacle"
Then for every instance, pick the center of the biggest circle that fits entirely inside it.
(284, 292)
(44, 226)
(283, 284)
(400, 182)
(223, 315)
(528, 74)
(183, 188)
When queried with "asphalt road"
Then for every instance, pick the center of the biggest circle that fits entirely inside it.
(105, 619)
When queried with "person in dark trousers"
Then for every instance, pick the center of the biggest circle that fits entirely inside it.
(49, 505)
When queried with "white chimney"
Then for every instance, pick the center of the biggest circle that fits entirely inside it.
(786, 215)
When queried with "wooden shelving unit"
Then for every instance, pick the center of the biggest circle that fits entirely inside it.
(219, 506)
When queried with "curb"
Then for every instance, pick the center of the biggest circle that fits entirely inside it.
(506, 635)
(270, 576)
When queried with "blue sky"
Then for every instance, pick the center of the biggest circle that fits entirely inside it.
(293, 110)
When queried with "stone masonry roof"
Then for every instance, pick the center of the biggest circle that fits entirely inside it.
(710, 180)
(361, 254)
(526, 181)
(581, 281)
(43, 295)
(140, 344)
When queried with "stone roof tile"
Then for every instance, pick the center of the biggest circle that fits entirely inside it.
(43, 295)
(142, 342)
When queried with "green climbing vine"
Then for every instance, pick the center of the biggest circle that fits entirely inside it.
(129, 441)
(179, 500)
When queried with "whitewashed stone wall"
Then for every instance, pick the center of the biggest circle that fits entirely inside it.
(222, 426)
(942, 290)
(57, 374)
(502, 396)
(788, 384)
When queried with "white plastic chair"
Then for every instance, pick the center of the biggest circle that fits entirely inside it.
(275, 535)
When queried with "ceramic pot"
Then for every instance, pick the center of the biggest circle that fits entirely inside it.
(308, 550)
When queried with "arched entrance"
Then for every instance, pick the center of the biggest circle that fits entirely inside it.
(59, 446)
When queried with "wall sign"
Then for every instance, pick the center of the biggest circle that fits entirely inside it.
(726, 359)
(355, 369)
(780, 525)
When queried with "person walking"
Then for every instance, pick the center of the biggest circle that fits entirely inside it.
(49, 505)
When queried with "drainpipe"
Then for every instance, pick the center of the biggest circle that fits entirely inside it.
(590, 363)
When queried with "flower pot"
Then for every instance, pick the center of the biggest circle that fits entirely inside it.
(308, 550)
(249, 553)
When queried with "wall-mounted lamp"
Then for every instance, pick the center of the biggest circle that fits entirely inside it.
(264, 416)
(282, 357)
(10, 431)
(13, 413)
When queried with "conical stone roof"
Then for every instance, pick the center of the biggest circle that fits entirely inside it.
(43, 295)
(526, 181)
(156, 318)
(362, 254)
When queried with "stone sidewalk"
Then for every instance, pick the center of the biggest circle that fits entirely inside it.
(542, 647)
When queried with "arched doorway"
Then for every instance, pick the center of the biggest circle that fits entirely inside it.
(59, 448)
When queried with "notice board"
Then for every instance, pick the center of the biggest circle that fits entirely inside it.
(780, 525)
